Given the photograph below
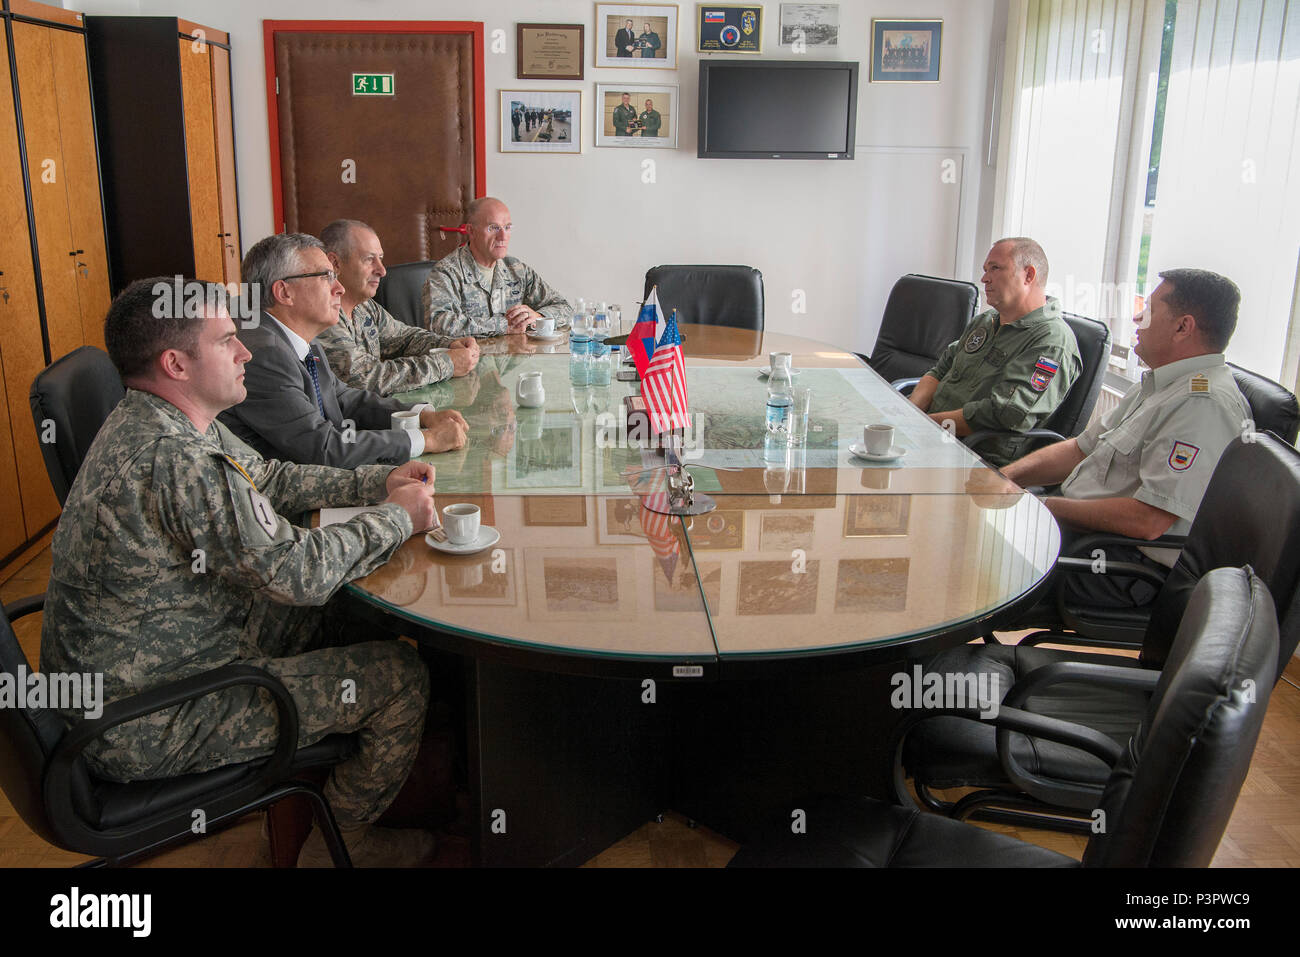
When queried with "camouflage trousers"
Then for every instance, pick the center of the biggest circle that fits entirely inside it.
(379, 689)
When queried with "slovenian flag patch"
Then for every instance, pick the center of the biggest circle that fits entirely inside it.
(1044, 371)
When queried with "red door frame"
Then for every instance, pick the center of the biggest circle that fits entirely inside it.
(271, 27)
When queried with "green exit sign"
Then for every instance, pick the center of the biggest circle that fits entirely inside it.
(372, 84)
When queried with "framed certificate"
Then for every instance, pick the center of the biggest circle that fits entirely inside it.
(729, 28)
(549, 51)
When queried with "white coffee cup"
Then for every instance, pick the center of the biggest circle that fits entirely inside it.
(410, 419)
(878, 439)
(544, 326)
(778, 359)
(461, 523)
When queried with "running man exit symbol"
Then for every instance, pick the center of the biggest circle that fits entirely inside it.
(372, 84)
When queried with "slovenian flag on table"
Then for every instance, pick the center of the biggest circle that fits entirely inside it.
(649, 325)
(663, 387)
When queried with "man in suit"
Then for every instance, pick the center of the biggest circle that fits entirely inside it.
(296, 409)
(625, 40)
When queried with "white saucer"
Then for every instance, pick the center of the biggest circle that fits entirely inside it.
(858, 449)
(538, 337)
(487, 537)
(794, 373)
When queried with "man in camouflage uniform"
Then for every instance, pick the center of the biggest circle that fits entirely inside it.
(1142, 469)
(1014, 363)
(368, 348)
(172, 559)
(480, 291)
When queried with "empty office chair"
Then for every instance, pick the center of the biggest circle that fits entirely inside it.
(923, 315)
(1170, 790)
(46, 779)
(401, 291)
(1235, 525)
(75, 394)
(1072, 415)
(710, 295)
(1273, 406)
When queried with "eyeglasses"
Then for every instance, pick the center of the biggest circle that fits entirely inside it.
(496, 229)
(328, 274)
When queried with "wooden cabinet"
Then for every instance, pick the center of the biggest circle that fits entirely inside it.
(167, 147)
(53, 262)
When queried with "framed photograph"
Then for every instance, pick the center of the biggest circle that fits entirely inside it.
(541, 121)
(871, 584)
(480, 580)
(877, 516)
(785, 531)
(636, 115)
(620, 521)
(556, 510)
(551, 461)
(722, 529)
(549, 51)
(638, 35)
(580, 584)
(905, 51)
(774, 588)
(810, 24)
(729, 28)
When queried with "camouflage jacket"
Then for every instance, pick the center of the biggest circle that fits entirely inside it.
(371, 350)
(171, 556)
(458, 303)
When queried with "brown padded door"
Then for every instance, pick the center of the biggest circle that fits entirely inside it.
(413, 151)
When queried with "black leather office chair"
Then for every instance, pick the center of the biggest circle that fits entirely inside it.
(923, 315)
(1170, 790)
(710, 295)
(1072, 415)
(75, 394)
(1235, 525)
(1273, 407)
(46, 779)
(401, 291)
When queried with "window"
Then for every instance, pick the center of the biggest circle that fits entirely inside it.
(1141, 135)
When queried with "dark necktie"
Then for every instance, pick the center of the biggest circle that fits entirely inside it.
(315, 382)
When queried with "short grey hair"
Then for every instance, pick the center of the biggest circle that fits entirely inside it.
(274, 258)
(476, 205)
(337, 236)
(1027, 252)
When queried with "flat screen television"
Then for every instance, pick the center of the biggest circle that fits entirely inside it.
(778, 109)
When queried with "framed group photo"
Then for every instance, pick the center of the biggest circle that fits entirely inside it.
(638, 35)
(541, 121)
(636, 115)
(905, 51)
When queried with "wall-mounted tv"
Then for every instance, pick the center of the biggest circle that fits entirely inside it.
(778, 109)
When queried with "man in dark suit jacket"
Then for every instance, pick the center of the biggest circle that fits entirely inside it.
(625, 40)
(296, 416)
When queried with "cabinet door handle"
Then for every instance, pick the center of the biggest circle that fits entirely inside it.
(85, 270)
(4, 291)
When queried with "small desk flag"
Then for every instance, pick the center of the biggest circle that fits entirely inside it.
(649, 325)
(663, 385)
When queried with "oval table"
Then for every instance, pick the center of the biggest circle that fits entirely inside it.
(620, 661)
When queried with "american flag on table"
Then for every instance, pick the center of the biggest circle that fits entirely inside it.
(661, 534)
(663, 386)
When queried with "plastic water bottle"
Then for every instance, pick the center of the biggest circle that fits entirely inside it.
(600, 330)
(580, 337)
(780, 400)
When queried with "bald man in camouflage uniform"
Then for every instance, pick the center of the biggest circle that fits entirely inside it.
(480, 291)
(172, 558)
(1014, 363)
(368, 348)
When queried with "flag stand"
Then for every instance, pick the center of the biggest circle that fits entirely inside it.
(681, 497)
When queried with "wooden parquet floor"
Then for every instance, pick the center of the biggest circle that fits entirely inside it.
(1264, 830)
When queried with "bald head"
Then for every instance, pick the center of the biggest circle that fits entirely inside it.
(489, 229)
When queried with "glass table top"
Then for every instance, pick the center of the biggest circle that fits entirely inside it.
(809, 549)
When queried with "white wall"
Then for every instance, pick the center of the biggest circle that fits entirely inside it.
(839, 231)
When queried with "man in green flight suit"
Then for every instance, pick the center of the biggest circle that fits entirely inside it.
(1014, 363)
(650, 120)
(648, 42)
(624, 116)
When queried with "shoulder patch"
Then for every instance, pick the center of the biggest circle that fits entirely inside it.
(1044, 371)
(1199, 384)
(263, 513)
(1182, 456)
(975, 340)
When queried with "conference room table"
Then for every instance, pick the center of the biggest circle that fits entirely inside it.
(619, 662)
